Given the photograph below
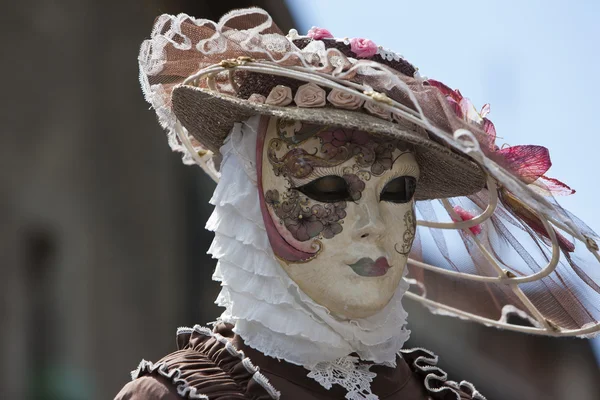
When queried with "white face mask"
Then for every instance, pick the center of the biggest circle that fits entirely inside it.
(339, 211)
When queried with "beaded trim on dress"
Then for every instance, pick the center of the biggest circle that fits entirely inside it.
(268, 309)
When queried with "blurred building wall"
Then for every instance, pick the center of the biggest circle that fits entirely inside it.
(102, 226)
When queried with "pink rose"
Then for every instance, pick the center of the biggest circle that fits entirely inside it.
(319, 33)
(280, 96)
(257, 98)
(343, 99)
(374, 107)
(310, 95)
(363, 48)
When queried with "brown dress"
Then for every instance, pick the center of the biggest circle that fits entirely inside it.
(218, 365)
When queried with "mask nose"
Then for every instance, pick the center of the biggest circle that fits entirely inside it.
(369, 224)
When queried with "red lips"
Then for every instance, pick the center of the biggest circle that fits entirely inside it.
(367, 267)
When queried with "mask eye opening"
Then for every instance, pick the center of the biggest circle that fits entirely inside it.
(399, 190)
(327, 189)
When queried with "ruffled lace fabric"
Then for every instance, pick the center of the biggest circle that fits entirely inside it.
(348, 373)
(424, 363)
(208, 366)
(173, 375)
(268, 309)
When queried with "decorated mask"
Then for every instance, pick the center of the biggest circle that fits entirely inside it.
(339, 211)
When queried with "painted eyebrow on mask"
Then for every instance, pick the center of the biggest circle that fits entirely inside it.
(317, 173)
(411, 169)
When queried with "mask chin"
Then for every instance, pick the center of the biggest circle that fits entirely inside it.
(321, 192)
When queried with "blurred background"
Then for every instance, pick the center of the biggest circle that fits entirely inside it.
(102, 245)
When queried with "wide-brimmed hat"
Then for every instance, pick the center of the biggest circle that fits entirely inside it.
(491, 241)
(209, 117)
(214, 75)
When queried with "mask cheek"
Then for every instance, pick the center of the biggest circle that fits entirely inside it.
(286, 226)
(296, 231)
(400, 228)
(301, 223)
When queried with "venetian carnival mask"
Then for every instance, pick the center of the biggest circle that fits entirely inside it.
(339, 211)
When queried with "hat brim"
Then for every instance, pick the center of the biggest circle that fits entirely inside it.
(209, 117)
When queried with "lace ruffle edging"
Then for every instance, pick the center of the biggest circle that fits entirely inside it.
(426, 363)
(257, 376)
(184, 389)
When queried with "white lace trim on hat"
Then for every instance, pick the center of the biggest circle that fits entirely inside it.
(268, 309)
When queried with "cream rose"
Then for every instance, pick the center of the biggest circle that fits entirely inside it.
(280, 96)
(257, 98)
(310, 95)
(342, 99)
(376, 108)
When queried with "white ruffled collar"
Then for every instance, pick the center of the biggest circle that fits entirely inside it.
(269, 311)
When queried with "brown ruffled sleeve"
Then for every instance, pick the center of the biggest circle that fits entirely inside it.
(424, 365)
(206, 366)
(148, 388)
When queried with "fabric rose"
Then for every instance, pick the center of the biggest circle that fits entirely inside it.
(319, 33)
(310, 95)
(257, 98)
(375, 108)
(363, 48)
(280, 96)
(342, 99)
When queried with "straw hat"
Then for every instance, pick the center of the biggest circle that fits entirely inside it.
(502, 245)
(227, 72)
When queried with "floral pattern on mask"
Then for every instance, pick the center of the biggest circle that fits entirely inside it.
(410, 222)
(355, 185)
(370, 152)
(337, 145)
(305, 220)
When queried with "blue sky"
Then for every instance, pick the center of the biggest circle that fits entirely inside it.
(536, 62)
